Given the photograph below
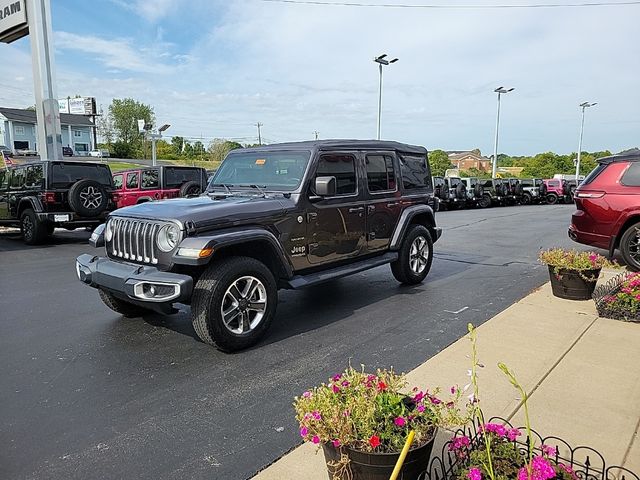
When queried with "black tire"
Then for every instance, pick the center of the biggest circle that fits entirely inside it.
(477, 190)
(401, 268)
(189, 189)
(461, 191)
(543, 190)
(552, 198)
(630, 246)
(125, 309)
(34, 232)
(485, 201)
(526, 199)
(88, 198)
(211, 293)
(519, 190)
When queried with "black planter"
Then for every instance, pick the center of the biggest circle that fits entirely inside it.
(379, 466)
(573, 284)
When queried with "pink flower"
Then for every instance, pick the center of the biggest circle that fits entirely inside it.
(337, 377)
(475, 474)
(548, 450)
(459, 442)
(374, 441)
(513, 434)
(496, 428)
(345, 383)
(420, 408)
(435, 400)
(304, 431)
(453, 390)
(569, 470)
(316, 415)
(399, 421)
(346, 413)
(335, 388)
(316, 439)
(418, 397)
(336, 443)
(541, 469)
(306, 395)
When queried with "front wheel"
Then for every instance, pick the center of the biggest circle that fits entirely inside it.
(33, 230)
(526, 199)
(415, 256)
(630, 246)
(552, 199)
(485, 201)
(234, 302)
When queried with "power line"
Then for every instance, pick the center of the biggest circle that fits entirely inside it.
(454, 7)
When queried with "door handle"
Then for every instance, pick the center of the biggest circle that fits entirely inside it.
(393, 204)
(356, 210)
(371, 208)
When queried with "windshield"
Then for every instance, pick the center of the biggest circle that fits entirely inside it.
(272, 170)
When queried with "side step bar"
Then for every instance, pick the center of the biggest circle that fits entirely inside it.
(303, 281)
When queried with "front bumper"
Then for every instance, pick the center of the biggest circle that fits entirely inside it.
(138, 284)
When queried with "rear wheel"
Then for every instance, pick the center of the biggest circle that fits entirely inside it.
(552, 198)
(125, 309)
(630, 246)
(526, 199)
(485, 201)
(189, 189)
(234, 302)
(415, 256)
(33, 230)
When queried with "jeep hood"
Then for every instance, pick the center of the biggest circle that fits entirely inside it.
(207, 210)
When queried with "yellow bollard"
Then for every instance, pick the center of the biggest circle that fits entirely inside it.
(403, 455)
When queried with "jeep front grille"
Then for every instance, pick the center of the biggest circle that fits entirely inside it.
(134, 240)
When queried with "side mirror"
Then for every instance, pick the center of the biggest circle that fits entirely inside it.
(325, 186)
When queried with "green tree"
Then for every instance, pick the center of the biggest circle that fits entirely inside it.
(439, 161)
(176, 144)
(124, 115)
(219, 148)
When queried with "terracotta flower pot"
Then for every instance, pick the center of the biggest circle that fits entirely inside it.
(378, 466)
(573, 284)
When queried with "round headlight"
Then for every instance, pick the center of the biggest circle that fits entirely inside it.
(108, 231)
(168, 238)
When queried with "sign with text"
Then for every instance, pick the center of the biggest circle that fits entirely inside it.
(78, 105)
(13, 20)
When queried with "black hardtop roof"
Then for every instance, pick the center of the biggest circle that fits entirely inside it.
(337, 144)
(149, 167)
(632, 155)
(74, 162)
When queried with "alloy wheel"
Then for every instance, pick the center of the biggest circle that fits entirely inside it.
(27, 227)
(418, 255)
(91, 197)
(244, 305)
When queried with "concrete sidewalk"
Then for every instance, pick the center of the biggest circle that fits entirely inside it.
(582, 374)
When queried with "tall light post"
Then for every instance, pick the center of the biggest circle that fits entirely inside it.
(381, 60)
(154, 138)
(584, 105)
(499, 91)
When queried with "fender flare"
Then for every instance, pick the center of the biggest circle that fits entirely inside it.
(144, 200)
(32, 202)
(405, 220)
(225, 238)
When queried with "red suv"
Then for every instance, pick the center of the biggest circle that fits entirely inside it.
(608, 207)
(155, 183)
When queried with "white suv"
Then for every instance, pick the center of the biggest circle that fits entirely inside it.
(99, 153)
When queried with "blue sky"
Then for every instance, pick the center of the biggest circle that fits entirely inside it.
(215, 68)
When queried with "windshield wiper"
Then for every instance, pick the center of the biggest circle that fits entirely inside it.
(262, 192)
(226, 186)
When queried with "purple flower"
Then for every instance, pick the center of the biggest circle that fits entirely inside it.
(345, 383)
(337, 377)
(475, 474)
(399, 421)
(513, 433)
(315, 439)
(304, 431)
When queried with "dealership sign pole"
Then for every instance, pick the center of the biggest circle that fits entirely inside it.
(33, 17)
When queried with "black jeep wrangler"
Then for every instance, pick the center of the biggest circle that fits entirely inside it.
(281, 216)
(40, 196)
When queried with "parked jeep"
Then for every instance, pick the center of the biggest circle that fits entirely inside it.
(154, 183)
(514, 191)
(494, 192)
(557, 191)
(41, 196)
(457, 192)
(287, 215)
(441, 191)
(531, 192)
(473, 187)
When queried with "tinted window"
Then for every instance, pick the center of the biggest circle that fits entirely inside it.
(526, 182)
(631, 177)
(175, 177)
(63, 175)
(4, 178)
(17, 178)
(594, 173)
(132, 180)
(117, 182)
(415, 172)
(150, 179)
(34, 175)
(380, 174)
(343, 167)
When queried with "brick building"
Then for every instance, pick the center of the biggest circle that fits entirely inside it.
(469, 160)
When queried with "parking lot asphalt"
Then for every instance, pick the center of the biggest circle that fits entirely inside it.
(89, 394)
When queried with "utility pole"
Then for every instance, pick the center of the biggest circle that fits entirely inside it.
(583, 105)
(316, 133)
(259, 135)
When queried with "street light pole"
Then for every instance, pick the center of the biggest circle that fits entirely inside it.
(494, 168)
(380, 60)
(584, 105)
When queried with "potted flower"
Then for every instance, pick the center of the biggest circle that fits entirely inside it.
(573, 274)
(620, 298)
(362, 422)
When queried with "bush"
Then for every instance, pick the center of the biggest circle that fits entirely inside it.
(122, 150)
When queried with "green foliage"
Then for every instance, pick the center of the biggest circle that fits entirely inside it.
(218, 149)
(562, 259)
(122, 150)
(439, 162)
(121, 123)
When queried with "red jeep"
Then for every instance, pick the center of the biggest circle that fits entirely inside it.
(608, 207)
(155, 183)
(556, 190)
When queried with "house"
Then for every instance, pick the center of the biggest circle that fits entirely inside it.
(18, 130)
(470, 159)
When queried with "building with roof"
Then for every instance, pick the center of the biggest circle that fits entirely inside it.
(469, 160)
(18, 131)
